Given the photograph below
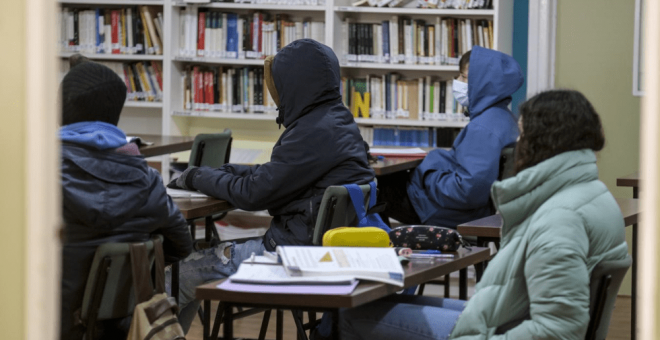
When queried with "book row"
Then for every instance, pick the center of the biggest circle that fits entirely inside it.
(391, 97)
(264, 2)
(226, 89)
(408, 41)
(408, 136)
(215, 34)
(441, 4)
(144, 80)
(130, 30)
(456, 4)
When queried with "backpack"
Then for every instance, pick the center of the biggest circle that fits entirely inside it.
(154, 316)
(367, 218)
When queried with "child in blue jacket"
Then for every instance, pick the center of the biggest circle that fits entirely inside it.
(451, 187)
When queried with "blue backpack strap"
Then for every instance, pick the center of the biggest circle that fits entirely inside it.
(372, 194)
(357, 198)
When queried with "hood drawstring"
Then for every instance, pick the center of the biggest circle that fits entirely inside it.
(279, 120)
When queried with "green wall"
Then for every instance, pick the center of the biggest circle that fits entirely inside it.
(595, 56)
(12, 200)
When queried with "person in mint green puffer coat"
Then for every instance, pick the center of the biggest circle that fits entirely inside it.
(559, 221)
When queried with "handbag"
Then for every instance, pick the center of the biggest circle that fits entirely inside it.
(426, 237)
(154, 317)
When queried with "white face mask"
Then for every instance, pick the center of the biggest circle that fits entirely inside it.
(460, 90)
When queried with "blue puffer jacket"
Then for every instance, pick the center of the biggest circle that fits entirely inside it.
(452, 187)
(110, 197)
(320, 147)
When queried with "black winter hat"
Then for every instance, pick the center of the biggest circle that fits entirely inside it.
(92, 92)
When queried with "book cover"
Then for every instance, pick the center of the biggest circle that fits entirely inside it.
(232, 35)
(201, 32)
(115, 32)
(154, 41)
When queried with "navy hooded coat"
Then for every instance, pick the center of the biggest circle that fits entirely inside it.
(110, 197)
(320, 147)
(453, 187)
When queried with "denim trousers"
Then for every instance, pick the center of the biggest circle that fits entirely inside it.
(401, 317)
(206, 266)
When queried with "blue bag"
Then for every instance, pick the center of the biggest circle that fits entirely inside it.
(366, 218)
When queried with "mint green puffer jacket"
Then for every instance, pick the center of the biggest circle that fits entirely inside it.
(559, 222)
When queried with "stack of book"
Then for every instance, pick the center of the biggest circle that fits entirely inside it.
(315, 270)
(408, 41)
(225, 89)
(144, 80)
(391, 97)
(130, 30)
(214, 34)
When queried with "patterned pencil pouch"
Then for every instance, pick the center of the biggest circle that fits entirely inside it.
(425, 237)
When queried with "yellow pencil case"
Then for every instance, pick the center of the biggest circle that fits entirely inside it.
(356, 237)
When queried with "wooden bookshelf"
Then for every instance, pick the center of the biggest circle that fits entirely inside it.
(119, 57)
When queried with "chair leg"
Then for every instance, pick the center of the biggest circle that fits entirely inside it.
(264, 325)
(297, 317)
(218, 321)
(421, 289)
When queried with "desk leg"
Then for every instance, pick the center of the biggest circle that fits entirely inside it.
(633, 314)
(279, 325)
(462, 284)
(479, 270)
(217, 322)
(208, 232)
(207, 319)
(335, 324)
(228, 327)
(175, 281)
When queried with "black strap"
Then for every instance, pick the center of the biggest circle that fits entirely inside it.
(160, 266)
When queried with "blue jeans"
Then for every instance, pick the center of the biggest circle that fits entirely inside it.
(206, 266)
(402, 317)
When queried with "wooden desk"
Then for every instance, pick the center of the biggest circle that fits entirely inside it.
(415, 274)
(491, 226)
(164, 145)
(631, 180)
(390, 165)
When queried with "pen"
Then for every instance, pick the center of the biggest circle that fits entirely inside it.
(448, 256)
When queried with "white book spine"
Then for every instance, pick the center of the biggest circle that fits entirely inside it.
(129, 31)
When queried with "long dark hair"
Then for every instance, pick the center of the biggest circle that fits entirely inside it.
(554, 122)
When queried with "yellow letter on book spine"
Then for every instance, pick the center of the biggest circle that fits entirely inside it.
(361, 104)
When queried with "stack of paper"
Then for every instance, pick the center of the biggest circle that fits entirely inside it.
(408, 152)
(178, 193)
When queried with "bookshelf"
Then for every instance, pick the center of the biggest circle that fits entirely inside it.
(171, 117)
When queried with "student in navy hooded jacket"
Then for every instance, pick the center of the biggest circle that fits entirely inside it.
(451, 187)
(320, 147)
(109, 194)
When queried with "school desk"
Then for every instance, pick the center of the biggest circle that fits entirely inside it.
(192, 209)
(390, 165)
(163, 145)
(415, 273)
(632, 180)
(488, 228)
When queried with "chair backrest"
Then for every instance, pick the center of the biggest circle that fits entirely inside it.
(506, 163)
(606, 279)
(109, 290)
(211, 150)
(336, 210)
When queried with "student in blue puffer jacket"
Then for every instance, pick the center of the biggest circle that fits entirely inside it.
(451, 187)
